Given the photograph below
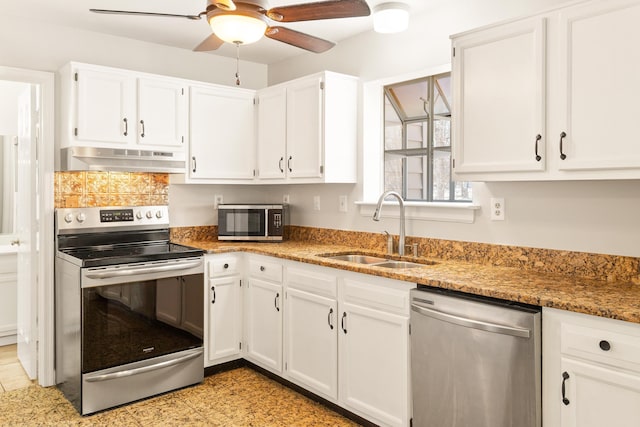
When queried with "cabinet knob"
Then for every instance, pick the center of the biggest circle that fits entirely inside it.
(226, 265)
(605, 345)
(262, 268)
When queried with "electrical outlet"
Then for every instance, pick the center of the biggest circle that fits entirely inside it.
(316, 203)
(342, 203)
(285, 199)
(217, 200)
(497, 209)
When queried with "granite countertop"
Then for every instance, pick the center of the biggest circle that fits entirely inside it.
(616, 300)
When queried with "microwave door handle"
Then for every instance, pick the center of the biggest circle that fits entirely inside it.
(143, 269)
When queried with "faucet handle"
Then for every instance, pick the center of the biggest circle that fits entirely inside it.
(389, 242)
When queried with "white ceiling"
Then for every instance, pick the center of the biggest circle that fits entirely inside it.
(183, 33)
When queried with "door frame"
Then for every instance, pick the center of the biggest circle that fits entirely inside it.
(46, 154)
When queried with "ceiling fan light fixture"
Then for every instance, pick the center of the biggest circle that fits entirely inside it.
(239, 29)
(392, 17)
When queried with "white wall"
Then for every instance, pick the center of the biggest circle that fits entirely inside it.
(49, 47)
(599, 217)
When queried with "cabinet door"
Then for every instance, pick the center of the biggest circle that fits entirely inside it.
(105, 107)
(304, 128)
(272, 137)
(311, 341)
(224, 321)
(162, 112)
(598, 396)
(221, 129)
(599, 65)
(374, 363)
(264, 323)
(499, 99)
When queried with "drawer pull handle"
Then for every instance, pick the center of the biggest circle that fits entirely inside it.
(213, 301)
(605, 345)
(538, 138)
(565, 377)
(342, 323)
(329, 318)
(276, 302)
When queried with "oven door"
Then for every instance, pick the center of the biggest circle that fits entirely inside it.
(242, 223)
(140, 311)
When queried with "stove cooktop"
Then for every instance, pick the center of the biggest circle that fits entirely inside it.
(127, 254)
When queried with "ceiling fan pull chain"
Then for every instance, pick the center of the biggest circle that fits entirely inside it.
(237, 64)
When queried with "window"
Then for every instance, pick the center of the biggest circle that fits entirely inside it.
(417, 141)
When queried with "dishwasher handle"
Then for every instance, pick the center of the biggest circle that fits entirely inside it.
(471, 323)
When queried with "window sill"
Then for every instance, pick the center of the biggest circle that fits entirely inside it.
(424, 211)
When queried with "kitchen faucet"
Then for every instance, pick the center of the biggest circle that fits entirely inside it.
(376, 216)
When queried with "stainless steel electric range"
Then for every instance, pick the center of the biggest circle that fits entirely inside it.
(129, 307)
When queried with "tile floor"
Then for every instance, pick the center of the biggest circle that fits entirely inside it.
(240, 397)
(12, 376)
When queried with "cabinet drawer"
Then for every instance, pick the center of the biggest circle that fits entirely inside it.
(266, 270)
(223, 266)
(376, 296)
(601, 345)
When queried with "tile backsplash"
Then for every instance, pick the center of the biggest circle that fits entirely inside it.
(97, 189)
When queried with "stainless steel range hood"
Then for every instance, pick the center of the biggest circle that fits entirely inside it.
(116, 159)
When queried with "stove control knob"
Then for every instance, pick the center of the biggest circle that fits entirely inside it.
(139, 215)
(81, 217)
(68, 218)
(159, 214)
(149, 214)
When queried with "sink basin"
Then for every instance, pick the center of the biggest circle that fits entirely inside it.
(399, 264)
(357, 258)
(376, 261)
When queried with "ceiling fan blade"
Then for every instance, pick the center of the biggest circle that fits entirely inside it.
(210, 43)
(298, 39)
(320, 10)
(127, 12)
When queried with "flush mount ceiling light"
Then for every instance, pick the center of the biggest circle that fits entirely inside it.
(238, 29)
(390, 17)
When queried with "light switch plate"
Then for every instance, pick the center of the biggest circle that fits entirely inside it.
(316, 203)
(342, 203)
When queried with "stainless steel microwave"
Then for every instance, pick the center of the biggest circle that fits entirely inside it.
(252, 222)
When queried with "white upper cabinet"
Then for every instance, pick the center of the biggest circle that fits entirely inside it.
(600, 64)
(222, 137)
(499, 91)
(272, 135)
(560, 85)
(307, 130)
(112, 108)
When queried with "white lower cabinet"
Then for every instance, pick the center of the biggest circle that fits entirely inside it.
(263, 306)
(311, 343)
(223, 309)
(347, 340)
(591, 371)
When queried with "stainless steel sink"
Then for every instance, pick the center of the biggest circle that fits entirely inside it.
(357, 258)
(375, 261)
(400, 264)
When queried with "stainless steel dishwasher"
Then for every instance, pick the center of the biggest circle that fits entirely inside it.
(475, 362)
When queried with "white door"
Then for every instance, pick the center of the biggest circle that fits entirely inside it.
(374, 363)
(221, 132)
(224, 327)
(272, 133)
(162, 113)
(598, 396)
(105, 107)
(599, 67)
(26, 229)
(499, 105)
(304, 128)
(264, 324)
(311, 341)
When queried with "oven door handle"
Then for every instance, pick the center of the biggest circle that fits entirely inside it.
(142, 370)
(143, 269)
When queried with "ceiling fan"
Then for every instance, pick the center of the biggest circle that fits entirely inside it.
(246, 21)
